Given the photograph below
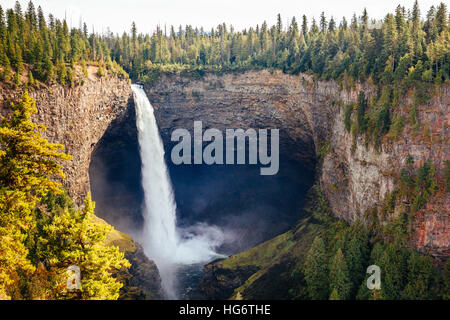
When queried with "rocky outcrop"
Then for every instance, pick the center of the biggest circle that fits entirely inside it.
(141, 281)
(219, 283)
(144, 276)
(356, 177)
(77, 118)
(301, 108)
(309, 114)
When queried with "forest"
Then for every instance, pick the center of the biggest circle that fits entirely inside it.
(401, 52)
(43, 233)
(400, 49)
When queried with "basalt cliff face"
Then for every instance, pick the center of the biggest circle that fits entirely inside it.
(300, 107)
(355, 176)
(78, 118)
(309, 114)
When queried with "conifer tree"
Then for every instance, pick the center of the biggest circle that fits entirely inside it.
(393, 266)
(420, 278)
(316, 271)
(445, 281)
(334, 295)
(26, 163)
(355, 262)
(30, 79)
(339, 277)
(76, 238)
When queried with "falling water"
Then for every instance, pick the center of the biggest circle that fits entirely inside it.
(163, 242)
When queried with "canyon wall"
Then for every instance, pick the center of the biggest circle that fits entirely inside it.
(301, 108)
(78, 118)
(355, 176)
(309, 114)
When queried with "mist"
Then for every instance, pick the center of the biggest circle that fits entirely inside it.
(216, 210)
(163, 242)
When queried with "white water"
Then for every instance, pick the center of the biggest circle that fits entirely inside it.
(163, 242)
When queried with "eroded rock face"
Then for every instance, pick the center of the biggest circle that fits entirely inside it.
(309, 114)
(77, 118)
(299, 107)
(219, 283)
(355, 180)
(115, 175)
(142, 281)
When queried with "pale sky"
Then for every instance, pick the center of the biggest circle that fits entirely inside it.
(118, 15)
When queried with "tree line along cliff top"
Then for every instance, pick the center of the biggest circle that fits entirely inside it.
(404, 47)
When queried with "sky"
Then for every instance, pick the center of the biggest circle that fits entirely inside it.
(118, 15)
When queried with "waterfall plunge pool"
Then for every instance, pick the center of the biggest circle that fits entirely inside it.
(246, 207)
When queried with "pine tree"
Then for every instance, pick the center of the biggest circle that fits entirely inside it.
(100, 72)
(334, 295)
(16, 80)
(133, 33)
(323, 22)
(2, 25)
(78, 238)
(400, 17)
(339, 276)
(420, 278)
(4, 60)
(26, 163)
(355, 262)
(441, 18)
(61, 72)
(279, 24)
(31, 17)
(304, 26)
(316, 270)
(445, 282)
(393, 266)
(7, 72)
(30, 79)
(365, 21)
(332, 25)
(41, 20)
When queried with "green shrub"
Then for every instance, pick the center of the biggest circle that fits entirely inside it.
(348, 110)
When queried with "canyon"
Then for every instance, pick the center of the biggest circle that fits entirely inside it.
(95, 121)
(309, 114)
(78, 118)
(355, 176)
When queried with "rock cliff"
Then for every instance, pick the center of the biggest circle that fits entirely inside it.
(356, 177)
(309, 114)
(78, 118)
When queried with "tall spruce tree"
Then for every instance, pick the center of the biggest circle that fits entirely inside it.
(339, 278)
(316, 271)
(27, 161)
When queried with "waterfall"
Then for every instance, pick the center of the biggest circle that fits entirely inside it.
(163, 242)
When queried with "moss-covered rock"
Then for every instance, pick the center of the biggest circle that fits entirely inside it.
(142, 280)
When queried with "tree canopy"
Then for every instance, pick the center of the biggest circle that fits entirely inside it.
(38, 239)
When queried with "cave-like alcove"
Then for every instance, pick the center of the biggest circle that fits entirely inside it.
(249, 207)
(115, 174)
